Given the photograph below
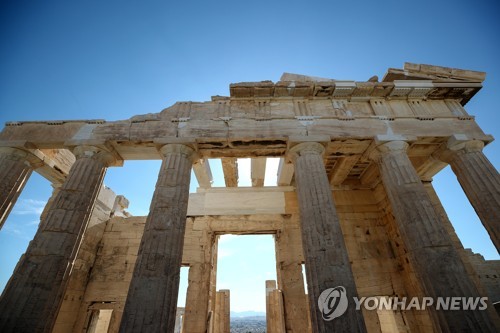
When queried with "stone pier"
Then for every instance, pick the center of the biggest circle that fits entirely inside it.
(222, 318)
(289, 258)
(275, 318)
(200, 275)
(179, 320)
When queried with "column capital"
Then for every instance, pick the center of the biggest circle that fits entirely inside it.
(306, 148)
(457, 145)
(177, 148)
(16, 154)
(97, 153)
(387, 148)
(30, 158)
(468, 146)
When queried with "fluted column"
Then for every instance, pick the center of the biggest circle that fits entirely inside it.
(152, 296)
(432, 255)
(326, 259)
(14, 173)
(34, 294)
(479, 180)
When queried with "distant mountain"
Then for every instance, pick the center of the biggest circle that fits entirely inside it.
(245, 314)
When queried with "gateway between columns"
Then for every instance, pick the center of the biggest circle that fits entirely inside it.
(354, 203)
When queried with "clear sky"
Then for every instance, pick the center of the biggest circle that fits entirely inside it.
(115, 59)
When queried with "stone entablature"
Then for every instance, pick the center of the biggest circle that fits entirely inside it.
(356, 160)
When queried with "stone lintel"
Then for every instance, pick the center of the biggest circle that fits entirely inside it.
(21, 144)
(258, 171)
(244, 200)
(203, 173)
(285, 172)
(342, 169)
(230, 170)
(187, 141)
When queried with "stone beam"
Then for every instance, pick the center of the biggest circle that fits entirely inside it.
(258, 171)
(203, 173)
(342, 168)
(241, 225)
(135, 141)
(56, 164)
(285, 173)
(230, 169)
(244, 200)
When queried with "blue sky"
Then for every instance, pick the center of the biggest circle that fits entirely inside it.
(116, 59)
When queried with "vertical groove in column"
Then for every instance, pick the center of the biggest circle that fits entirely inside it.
(32, 299)
(14, 172)
(152, 298)
(434, 258)
(326, 259)
(481, 183)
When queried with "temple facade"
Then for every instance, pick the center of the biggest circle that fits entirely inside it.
(354, 204)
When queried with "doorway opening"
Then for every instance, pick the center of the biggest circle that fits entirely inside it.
(244, 264)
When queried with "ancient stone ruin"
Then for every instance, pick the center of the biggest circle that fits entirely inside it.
(354, 202)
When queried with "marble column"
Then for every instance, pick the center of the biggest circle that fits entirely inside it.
(14, 173)
(32, 299)
(326, 259)
(433, 257)
(152, 297)
(480, 182)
